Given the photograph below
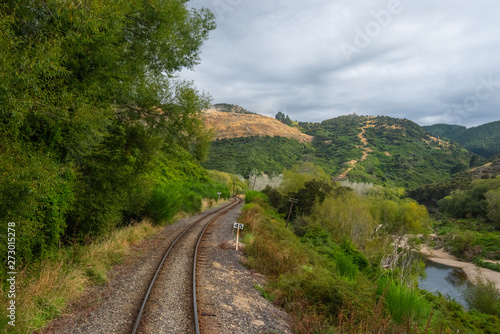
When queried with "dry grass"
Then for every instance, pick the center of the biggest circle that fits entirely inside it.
(44, 297)
(233, 125)
(46, 289)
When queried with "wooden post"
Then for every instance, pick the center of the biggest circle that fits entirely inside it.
(292, 200)
(237, 238)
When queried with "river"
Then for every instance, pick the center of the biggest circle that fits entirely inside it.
(447, 280)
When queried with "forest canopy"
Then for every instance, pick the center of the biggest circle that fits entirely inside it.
(89, 109)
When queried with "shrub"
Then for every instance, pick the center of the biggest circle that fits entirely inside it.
(36, 194)
(460, 242)
(164, 204)
(493, 206)
(471, 202)
(403, 302)
(169, 199)
(275, 198)
(483, 296)
(252, 195)
(345, 266)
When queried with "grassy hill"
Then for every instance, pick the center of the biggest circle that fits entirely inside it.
(386, 150)
(227, 124)
(379, 150)
(483, 140)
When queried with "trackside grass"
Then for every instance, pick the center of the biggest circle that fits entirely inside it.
(44, 290)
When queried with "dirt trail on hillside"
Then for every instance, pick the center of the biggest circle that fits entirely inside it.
(440, 256)
(362, 137)
(366, 150)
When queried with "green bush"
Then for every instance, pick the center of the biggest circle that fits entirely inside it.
(169, 199)
(345, 266)
(484, 297)
(404, 303)
(276, 199)
(460, 242)
(471, 202)
(488, 265)
(251, 196)
(164, 204)
(36, 194)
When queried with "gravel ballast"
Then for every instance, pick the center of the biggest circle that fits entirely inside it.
(227, 299)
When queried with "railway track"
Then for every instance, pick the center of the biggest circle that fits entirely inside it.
(170, 304)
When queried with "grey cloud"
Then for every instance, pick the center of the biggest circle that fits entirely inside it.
(286, 55)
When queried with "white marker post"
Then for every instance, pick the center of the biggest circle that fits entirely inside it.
(238, 227)
(219, 193)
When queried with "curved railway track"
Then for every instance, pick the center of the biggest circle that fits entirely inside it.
(174, 309)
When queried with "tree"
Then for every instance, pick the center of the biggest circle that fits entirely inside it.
(346, 216)
(493, 206)
(314, 191)
(475, 161)
(296, 177)
(459, 167)
(400, 218)
(87, 105)
(280, 117)
(283, 118)
(471, 202)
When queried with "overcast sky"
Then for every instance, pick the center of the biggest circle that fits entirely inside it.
(426, 60)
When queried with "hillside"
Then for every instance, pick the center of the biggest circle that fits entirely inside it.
(444, 130)
(386, 150)
(430, 194)
(236, 125)
(245, 155)
(483, 140)
(379, 150)
(488, 170)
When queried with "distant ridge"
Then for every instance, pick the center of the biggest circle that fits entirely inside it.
(226, 107)
(483, 140)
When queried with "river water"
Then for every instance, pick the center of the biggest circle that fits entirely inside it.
(447, 280)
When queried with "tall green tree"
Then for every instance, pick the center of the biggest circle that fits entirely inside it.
(88, 103)
(493, 206)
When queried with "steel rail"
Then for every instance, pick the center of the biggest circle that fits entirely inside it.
(195, 308)
(141, 310)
